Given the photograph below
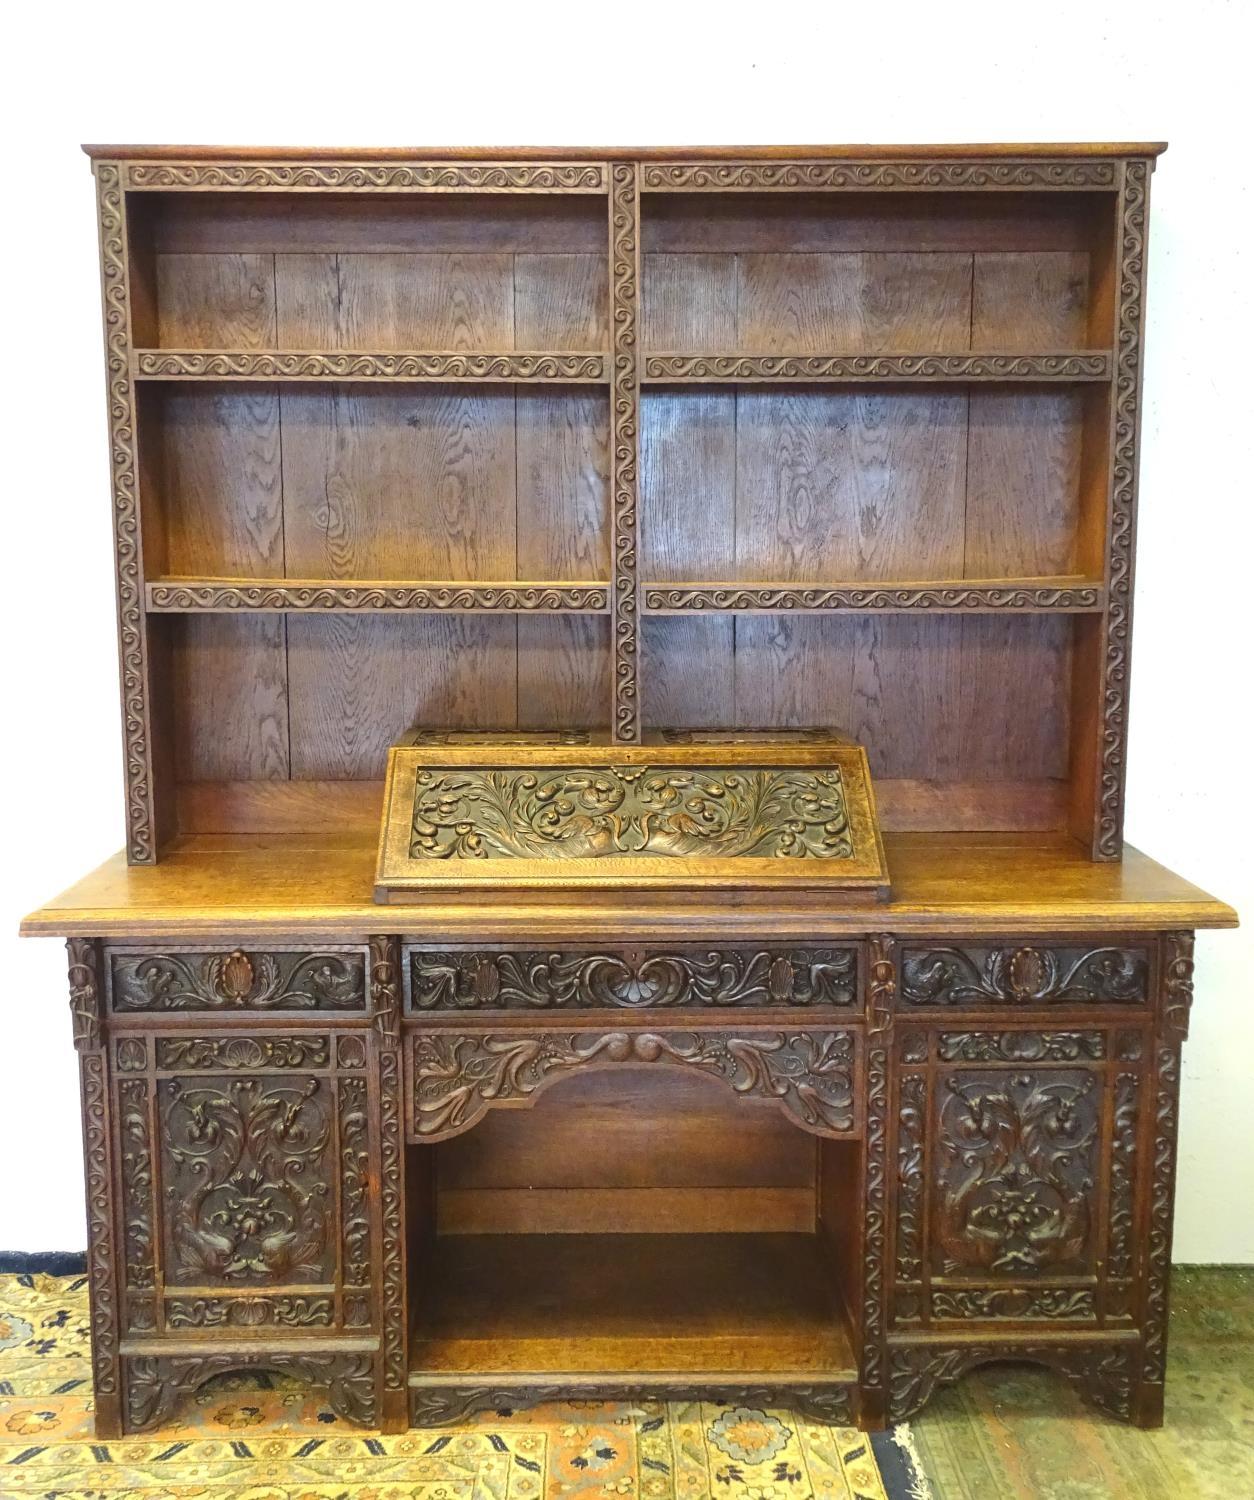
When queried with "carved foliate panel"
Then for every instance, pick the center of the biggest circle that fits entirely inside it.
(156, 1383)
(454, 1078)
(231, 980)
(1015, 1172)
(248, 1170)
(980, 975)
(1102, 1373)
(631, 979)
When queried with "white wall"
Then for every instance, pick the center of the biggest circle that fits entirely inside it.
(469, 73)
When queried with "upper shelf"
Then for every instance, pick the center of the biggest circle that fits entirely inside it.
(934, 151)
(584, 368)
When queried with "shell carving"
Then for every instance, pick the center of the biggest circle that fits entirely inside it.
(1028, 974)
(235, 976)
(779, 981)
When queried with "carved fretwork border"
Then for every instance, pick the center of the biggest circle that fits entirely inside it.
(695, 598)
(281, 364)
(141, 843)
(625, 423)
(881, 1001)
(708, 369)
(370, 177)
(807, 176)
(1121, 525)
(313, 596)
(385, 1001)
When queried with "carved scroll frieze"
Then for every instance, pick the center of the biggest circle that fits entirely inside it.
(964, 598)
(1102, 1373)
(135, 1165)
(1121, 1244)
(807, 368)
(807, 176)
(372, 177)
(978, 976)
(1015, 1173)
(457, 1077)
(634, 979)
(882, 991)
(247, 1176)
(354, 1182)
(606, 811)
(447, 1405)
(1014, 1302)
(385, 1000)
(132, 627)
(1161, 1199)
(314, 597)
(237, 981)
(156, 1383)
(241, 1053)
(911, 1182)
(282, 364)
(1125, 426)
(624, 426)
(1021, 1046)
(238, 1313)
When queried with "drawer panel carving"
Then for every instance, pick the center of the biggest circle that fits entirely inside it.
(1014, 1303)
(235, 980)
(454, 1078)
(981, 975)
(630, 979)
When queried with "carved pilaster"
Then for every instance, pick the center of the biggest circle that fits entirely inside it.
(84, 963)
(882, 977)
(392, 1364)
(625, 412)
(1177, 983)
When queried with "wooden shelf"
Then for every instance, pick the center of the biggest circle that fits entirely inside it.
(1064, 595)
(651, 1304)
(486, 366)
(183, 596)
(794, 369)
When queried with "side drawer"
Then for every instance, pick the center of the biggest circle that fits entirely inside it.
(148, 981)
(691, 976)
(980, 973)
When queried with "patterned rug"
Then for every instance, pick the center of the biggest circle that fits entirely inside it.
(267, 1439)
(1018, 1433)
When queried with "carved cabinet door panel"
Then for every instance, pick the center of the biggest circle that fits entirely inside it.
(1017, 1157)
(244, 1164)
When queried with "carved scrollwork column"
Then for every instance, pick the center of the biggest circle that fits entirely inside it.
(102, 1249)
(385, 1003)
(882, 976)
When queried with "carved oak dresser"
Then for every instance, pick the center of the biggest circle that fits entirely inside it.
(616, 460)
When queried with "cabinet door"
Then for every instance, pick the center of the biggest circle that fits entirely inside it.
(1017, 1157)
(244, 1168)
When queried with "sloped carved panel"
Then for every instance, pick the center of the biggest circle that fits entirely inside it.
(631, 979)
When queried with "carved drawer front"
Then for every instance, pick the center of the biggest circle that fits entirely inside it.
(696, 977)
(227, 980)
(980, 974)
(244, 1182)
(454, 1077)
(1017, 1158)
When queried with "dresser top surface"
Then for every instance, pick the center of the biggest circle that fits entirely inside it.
(218, 885)
(937, 151)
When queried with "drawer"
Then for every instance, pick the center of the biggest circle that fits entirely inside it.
(221, 979)
(970, 975)
(691, 976)
(453, 1077)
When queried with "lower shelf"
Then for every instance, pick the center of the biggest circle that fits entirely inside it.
(705, 1307)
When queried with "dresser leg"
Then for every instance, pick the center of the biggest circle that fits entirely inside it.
(872, 1409)
(1147, 1405)
(394, 1411)
(108, 1420)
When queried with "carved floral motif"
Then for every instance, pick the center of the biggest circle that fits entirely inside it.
(155, 1383)
(240, 1053)
(1021, 1046)
(238, 980)
(1024, 976)
(1014, 1302)
(1101, 1373)
(608, 811)
(632, 980)
(249, 1312)
(443, 1406)
(456, 1078)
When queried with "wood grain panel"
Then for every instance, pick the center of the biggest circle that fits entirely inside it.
(215, 301)
(390, 301)
(793, 672)
(849, 485)
(221, 479)
(561, 302)
(563, 672)
(650, 1132)
(687, 485)
(1023, 483)
(895, 303)
(1031, 300)
(690, 1210)
(358, 682)
(1016, 677)
(688, 668)
(689, 302)
(229, 687)
(563, 459)
(413, 484)
(907, 677)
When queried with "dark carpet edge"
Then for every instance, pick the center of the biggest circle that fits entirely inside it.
(897, 1468)
(50, 1262)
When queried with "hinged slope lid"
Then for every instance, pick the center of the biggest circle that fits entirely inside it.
(562, 810)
